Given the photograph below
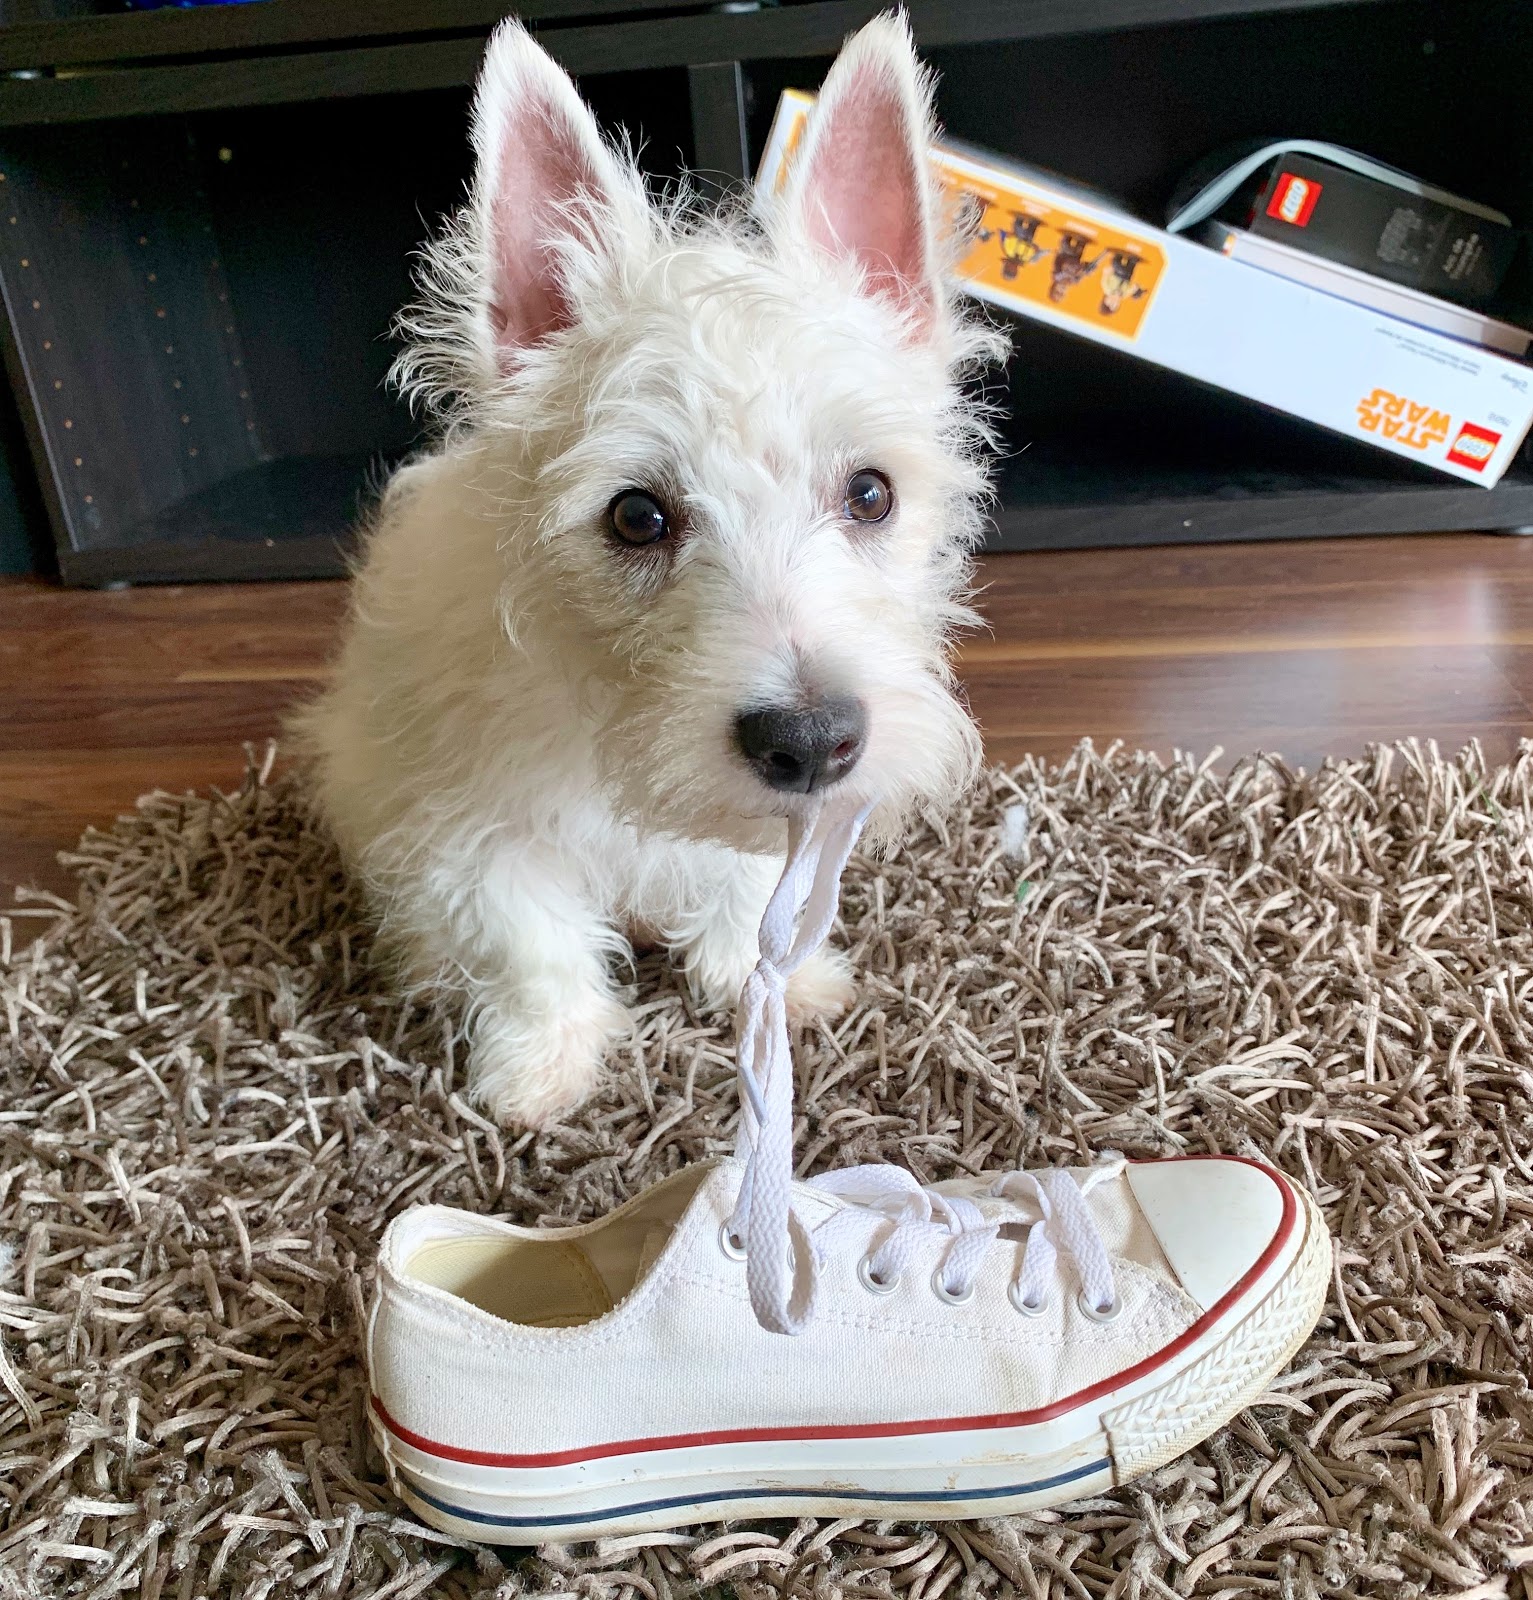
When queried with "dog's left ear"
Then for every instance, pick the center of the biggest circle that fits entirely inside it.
(862, 186)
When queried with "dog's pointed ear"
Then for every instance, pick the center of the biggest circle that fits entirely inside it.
(862, 187)
(543, 177)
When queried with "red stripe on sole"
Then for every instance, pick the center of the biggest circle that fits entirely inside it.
(883, 1430)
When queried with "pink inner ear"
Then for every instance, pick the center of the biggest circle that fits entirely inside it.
(542, 163)
(863, 196)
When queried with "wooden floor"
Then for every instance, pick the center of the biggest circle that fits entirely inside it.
(1306, 648)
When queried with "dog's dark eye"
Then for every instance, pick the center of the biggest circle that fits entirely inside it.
(638, 518)
(869, 496)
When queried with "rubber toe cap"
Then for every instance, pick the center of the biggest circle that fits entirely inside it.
(1215, 1218)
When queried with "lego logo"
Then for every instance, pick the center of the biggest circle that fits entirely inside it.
(1293, 199)
(1473, 447)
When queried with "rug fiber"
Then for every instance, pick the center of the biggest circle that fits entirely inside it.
(213, 1104)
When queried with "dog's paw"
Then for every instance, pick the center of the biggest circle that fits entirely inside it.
(531, 1071)
(716, 971)
(822, 987)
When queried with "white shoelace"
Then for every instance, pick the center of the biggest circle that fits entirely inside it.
(783, 1254)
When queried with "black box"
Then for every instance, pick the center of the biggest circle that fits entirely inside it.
(1427, 242)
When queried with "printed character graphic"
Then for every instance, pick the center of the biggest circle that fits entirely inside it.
(1070, 265)
(1118, 281)
(1018, 243)
(969, 218)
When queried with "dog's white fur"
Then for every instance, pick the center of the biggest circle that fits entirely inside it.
(527, 746)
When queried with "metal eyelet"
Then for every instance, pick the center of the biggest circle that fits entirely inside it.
(946, 1295)
(1026, 1307)
(875, 1285)
(1107, 1313)
(732, 1247)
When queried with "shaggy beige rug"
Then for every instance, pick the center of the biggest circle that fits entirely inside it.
(213, 1104)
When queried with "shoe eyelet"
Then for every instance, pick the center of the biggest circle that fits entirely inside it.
(870, 1283)
(946, 1295)
(1026, 1307)
(1107, 1313)
(732, 1247)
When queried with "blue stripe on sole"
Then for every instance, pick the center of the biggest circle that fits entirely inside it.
(881, 1497)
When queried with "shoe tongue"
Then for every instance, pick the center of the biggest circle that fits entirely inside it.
(1016, 1212)
(996, 1208)
(814, 1206)
(654, 1242)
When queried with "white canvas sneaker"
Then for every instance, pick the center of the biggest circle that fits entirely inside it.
(732, 1343)
(533, 1384)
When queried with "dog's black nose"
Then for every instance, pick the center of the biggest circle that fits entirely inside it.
(800, 749)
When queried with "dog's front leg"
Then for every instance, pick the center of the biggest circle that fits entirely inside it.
(544, 1009)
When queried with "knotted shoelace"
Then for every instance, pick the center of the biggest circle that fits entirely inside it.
(783, 1254)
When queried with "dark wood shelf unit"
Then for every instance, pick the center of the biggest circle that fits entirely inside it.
(586, 38)
(1074, 502)
(293, 518)
(797, 27)
(207, 215)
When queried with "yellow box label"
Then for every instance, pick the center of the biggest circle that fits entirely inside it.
(1038, 252)
(1025, 247)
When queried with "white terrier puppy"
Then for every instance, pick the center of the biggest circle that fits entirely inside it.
(691, 547)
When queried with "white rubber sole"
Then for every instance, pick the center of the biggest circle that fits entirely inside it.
(932, 1476)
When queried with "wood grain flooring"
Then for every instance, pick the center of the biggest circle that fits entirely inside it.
(1306, 648)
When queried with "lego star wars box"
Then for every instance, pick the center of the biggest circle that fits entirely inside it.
(1040, 248)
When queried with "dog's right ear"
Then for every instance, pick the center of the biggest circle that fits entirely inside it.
(543, 180)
